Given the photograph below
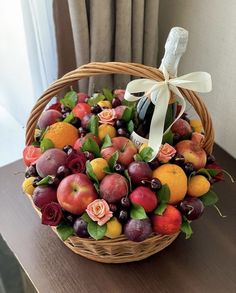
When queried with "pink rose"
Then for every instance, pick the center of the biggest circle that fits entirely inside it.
(166, 153)
(107, 116)
(99, 211)
(120, 111)
(119, 93)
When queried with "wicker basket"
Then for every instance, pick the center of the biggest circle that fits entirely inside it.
(118, 250)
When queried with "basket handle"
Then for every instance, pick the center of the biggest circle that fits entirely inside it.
(99, 68)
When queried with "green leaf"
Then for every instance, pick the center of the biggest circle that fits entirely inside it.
(113, 159)
(69, 100)
(168, 138)
(36, 144)
(90, 145)
(130, 126)
(46, 144)
(106, 142)
(160, 209)
(108, 94)
(86, 218)
(137, 212)
(93, 125)
(107, 170)
(96, 186)
(137, 157)
(204, 172)
(95, 231)
(146, 154)
(64, 230)
(45, 180)
(186, 228)
(69, 118)
(127, 115)
(126, 173)
(164, 194)
(213, 172)
(128, 103)
(90, 173)
(210, 198)
(95, 99)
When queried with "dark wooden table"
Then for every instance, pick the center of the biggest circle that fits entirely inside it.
(205, 263)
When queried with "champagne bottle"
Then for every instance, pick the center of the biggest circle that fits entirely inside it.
(174, 48)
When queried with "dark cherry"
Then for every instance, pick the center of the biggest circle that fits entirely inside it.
(176, 137)
(119, 168)
(38, 136)
(31, 171)
(64, 115)
(67, 149)
(96, 109)
(123, 216)
(36, 180)
(82, 131)
(70, 218)
(122, 132)
(89, 156)
(76, 122)
(155, 184)
(115, 102)
(188, 168)
(120, 123)
(65, 109)
(54, 181)
(154, 164)
(178, 160)
(62, 172)
(125, 202)
(191, 207)
(113, 207)
(80, 228)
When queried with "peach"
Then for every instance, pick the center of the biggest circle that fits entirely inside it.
(168, 223)
(192, 152)
(113, 187)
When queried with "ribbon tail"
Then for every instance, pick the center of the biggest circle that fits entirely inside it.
(158, 120)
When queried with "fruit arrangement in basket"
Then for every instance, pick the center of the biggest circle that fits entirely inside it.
(87, 177)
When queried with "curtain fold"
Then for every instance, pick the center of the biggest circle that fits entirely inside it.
(107, 30)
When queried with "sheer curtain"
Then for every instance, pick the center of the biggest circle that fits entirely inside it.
(28, 64)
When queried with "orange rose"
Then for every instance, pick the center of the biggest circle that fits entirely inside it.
(107, 116)
(99, 211)
(166, 153)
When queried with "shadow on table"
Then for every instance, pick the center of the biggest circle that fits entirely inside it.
(12, 277)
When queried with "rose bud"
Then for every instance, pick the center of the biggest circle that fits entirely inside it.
(51, 214)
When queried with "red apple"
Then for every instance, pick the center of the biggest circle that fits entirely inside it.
(145, 197)
(125, 148)
(75, 192)
(168, 223)
(113, 187)
(79, 142)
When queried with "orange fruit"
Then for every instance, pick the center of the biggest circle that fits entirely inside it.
(98, 165)
(105, 104)
(175, 178)
(105, 129)
(61, 134)
(198, 185)
(114, 228)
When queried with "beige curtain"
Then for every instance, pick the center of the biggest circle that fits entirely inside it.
(105, 30)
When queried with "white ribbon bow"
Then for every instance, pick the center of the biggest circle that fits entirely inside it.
(160, 94)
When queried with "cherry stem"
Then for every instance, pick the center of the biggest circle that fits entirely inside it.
(229, 175)
(219, 212)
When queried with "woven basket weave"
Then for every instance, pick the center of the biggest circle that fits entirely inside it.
(118, 250)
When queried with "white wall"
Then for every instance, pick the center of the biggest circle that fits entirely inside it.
(212, 48)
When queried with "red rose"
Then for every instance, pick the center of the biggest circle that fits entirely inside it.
(76, 162)
(51, 214)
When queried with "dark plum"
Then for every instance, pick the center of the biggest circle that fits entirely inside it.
(154, 164)
(43, 195)
(80, 228)
(138, 230)
(122, 132)
(191, 207)
(139, 171)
